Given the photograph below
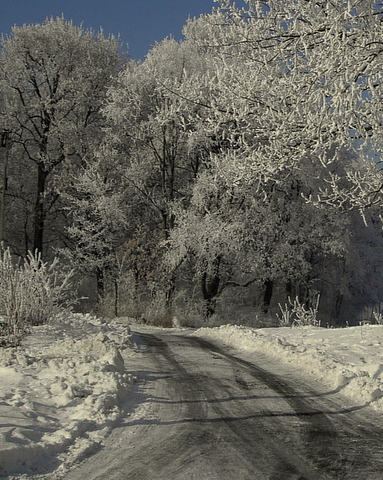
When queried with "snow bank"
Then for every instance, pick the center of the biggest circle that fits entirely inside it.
(62, 389)
(348, 359)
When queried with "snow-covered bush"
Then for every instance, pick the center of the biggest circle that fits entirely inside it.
(31, 292)
(297, 314)
(378, 317)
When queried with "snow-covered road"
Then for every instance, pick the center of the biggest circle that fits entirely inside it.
(200, 411)
(84, 398)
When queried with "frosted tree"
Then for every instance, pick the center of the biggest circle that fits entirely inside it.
(298, 79)
(152, 126)
(97, 222)
(295, 113)
(234, 237)
(150, 120)
(53, 77)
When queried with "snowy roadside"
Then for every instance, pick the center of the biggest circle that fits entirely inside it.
(61, 390)
(347, 359)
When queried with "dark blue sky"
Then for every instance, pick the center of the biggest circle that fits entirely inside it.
(140, 23)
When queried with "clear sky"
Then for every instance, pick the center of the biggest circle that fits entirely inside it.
(140, 23)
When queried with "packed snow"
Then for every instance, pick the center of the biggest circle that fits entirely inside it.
(66, 387)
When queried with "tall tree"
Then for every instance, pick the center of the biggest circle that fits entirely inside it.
(241, 236)
(53, 77)
(97, 222)
(150, 125)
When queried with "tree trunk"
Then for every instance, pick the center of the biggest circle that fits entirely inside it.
(290, 289)
(269, 284)
(39, 220)
(100, 278)
(169, 297)
(4, 151)
(210, 287)
(116, 297)
(210, 305)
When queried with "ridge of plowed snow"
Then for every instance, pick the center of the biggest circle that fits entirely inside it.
(62, 388)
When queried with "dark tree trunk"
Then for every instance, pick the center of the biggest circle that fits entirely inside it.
(116, 297)
(39, 220)
(100, 278)
(209, 307)
(210, 288)
(269, 284)
(169, 298)
(290, 290)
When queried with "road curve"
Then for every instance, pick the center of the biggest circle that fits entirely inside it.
(201, 412)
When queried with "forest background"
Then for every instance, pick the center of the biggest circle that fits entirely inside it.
(226, 177)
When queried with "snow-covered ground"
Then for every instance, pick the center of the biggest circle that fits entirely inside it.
(63, 390)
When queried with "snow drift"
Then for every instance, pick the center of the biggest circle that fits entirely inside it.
(63, 388)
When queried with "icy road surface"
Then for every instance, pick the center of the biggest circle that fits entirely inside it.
(200, 411)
